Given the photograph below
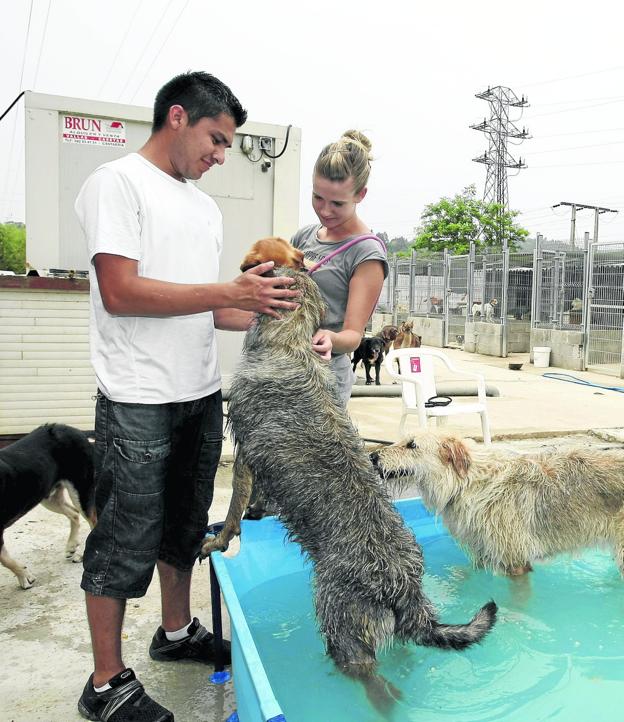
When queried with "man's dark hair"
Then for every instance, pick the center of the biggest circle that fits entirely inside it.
(201, 95)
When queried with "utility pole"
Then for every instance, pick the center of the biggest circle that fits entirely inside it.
(498, 128)
(580, 207)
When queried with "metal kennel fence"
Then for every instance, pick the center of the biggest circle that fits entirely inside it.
(554, 287)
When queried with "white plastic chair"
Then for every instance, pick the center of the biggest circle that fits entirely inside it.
(418, 385)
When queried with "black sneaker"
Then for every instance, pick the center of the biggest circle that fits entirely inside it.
(126, 701)
(199, 645)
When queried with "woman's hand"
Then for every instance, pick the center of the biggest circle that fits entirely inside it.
(322, 344)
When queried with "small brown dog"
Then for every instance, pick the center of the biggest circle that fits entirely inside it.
(273, 249)
(507, 510)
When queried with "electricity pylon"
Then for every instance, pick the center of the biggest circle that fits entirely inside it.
(499, 129)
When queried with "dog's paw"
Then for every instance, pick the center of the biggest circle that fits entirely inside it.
(76, 557)
(70, 549)
(26, 579)
(213, 544)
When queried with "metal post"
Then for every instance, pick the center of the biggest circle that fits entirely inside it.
(505, 291)
(412, 281)
(428, 286)
(573, 225)
(537, 283)
(470, 288)
(587, 281)
(445, 296)
(596, 216)
(395, 292)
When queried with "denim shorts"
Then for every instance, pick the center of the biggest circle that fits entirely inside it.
(155, 466)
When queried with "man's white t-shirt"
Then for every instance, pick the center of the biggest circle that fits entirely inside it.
(131, 208)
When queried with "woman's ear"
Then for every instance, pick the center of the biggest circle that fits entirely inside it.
(361, 195)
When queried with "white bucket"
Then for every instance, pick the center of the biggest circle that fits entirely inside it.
(541, 356)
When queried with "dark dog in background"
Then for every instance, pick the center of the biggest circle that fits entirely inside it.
(387, 335)
(368, 565)
(38, 468)
(370, 352)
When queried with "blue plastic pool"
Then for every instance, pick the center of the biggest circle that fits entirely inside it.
(556, 653)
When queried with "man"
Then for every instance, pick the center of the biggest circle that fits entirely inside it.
(154, 243)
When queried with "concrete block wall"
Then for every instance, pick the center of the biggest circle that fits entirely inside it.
(482, 337)
(566, 347)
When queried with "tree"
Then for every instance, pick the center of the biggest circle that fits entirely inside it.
(12, 247)
(454, 222)
(394, 245)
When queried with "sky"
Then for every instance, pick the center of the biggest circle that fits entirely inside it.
(404, 73)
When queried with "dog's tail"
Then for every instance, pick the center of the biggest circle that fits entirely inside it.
(460, 636)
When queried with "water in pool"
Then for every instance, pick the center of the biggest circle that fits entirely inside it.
(556, 653)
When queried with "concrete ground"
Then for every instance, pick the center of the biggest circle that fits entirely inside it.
(44, 639)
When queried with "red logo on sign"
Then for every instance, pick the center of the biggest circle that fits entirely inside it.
(415, 364)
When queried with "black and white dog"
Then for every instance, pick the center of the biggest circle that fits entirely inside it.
(37, 469)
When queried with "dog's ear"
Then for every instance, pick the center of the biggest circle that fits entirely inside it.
(454, 453)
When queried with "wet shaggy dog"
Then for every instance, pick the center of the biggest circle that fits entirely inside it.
(37, 469)
(370, 352)
(292, 438)
(508, 510)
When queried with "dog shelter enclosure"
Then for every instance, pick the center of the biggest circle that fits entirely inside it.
(44, 320)
(566, 298)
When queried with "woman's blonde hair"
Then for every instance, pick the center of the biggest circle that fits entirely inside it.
(348, 157)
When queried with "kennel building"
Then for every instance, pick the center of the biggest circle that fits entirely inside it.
(44, 319)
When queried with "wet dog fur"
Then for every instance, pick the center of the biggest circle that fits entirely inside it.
(508, 510)
(293, 438)
(40, 468)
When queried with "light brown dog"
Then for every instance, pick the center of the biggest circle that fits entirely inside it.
(273, 249)
(406, 338)
(508, 510)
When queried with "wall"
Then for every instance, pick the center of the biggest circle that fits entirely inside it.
(45, 371)
(566, 347)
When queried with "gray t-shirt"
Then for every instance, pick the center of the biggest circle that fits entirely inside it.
(333, 280)
(334, 276)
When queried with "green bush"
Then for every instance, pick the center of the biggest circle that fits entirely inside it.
(12, 247)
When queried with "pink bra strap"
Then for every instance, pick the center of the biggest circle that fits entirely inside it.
(344, 247)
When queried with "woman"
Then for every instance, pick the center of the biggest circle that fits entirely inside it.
(352, 280)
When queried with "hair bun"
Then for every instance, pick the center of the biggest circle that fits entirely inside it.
(355, 136)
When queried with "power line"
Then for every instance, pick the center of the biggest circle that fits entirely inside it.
(580, 132)
(43, 38)
(175, 22)
(12, 145)
(572, 165)
(577, 147)
(572, 77)
(580, 107)
(121, 44)
(598, 210)
(149, 40)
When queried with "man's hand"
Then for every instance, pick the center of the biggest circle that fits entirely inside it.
(322, 344)
(260, 294)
